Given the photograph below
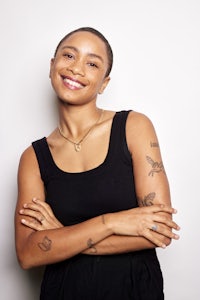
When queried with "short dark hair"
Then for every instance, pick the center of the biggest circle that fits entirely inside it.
(101, 36)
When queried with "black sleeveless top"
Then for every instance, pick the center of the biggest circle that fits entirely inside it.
(76, 197)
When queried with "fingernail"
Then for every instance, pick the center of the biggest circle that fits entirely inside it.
(164, 246)
(34, 199)
(23, 221)
(21, 211)
(25, 205)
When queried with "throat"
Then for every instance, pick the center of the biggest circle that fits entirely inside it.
(78, 145)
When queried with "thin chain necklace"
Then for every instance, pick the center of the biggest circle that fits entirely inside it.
(78, 145)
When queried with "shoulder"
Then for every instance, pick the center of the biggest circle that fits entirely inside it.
(137, 122)
(138, 118)
(28, 153)
(140, 130)
(28, 161)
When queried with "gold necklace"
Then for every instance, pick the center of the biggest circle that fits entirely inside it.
(77, 145)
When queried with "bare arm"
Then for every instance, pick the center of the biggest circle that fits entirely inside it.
(47, 246)
(40, 243)
(151, 184)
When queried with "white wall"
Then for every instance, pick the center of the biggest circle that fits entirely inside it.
(156, 71)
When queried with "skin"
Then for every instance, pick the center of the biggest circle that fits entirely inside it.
(40, 238)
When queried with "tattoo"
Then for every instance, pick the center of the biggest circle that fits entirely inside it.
(148, 199)
(90, 245)
(103, 219)
(154, 144)
(45, 245)
(156, 166)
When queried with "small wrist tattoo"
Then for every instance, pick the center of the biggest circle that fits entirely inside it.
(103, 219)
(90, 245)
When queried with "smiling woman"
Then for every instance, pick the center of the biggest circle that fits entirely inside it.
(93, 196)
(82, 69)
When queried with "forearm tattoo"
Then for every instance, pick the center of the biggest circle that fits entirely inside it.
(147, 200)
(157, 167)
(45, 245)
(103, 219)
(90, 245)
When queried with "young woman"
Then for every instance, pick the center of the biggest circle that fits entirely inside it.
(93, 200)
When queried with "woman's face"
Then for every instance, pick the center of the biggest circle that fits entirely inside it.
(78, 70)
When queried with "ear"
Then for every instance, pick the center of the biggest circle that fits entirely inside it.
(104, 84)
(51, 65)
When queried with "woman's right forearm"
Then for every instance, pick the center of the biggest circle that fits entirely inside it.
(51, 246)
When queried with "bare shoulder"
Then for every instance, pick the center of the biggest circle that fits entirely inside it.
(28, 161)
(138, 123)
(140, 130)
(138, 120)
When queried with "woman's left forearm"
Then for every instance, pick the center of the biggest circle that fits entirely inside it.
(117, 244)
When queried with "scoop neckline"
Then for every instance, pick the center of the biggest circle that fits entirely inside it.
(90, 171)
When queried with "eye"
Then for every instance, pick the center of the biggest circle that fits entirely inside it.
(68, 55)
(93, 65)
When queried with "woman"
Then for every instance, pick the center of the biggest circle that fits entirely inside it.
(93, 200)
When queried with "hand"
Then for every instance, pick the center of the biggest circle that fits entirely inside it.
(40, 216)
(148, 222)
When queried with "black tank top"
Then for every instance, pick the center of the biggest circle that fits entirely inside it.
(76, 197)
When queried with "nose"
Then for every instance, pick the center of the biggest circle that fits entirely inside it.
(76, 68)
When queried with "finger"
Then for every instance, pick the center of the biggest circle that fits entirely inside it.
(44, 208)
(164, 230)
(33, 224)
(166, 221)
(47, 212)
(36, 207)
(32, 213)
(44, 205)
(162, 208)
(153, 237)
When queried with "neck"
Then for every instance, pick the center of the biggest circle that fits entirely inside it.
(74, 120)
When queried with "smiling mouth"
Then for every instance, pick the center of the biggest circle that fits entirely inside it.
(72, 83)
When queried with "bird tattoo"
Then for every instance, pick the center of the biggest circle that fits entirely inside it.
(156, 166)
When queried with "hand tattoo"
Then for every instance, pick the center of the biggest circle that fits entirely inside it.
(148, 200)
(45, 245)
(156, 166)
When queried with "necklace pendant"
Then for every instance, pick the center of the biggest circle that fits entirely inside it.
(77, 147)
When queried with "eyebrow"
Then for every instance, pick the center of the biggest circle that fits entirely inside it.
(89, 54)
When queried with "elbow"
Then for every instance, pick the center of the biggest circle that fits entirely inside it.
(24, 263)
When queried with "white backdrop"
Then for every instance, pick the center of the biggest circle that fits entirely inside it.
(156, 71)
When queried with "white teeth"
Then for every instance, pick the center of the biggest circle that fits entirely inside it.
(73, 83)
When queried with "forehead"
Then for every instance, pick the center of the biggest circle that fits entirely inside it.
(86, 42)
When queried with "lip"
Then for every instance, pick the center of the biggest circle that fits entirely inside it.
(72, 83)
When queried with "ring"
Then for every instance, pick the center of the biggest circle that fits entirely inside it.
(154, 227)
